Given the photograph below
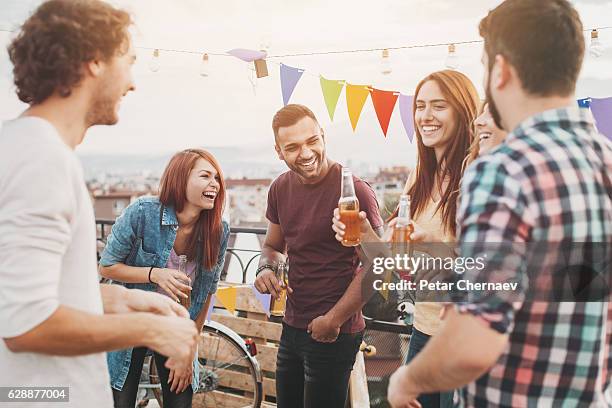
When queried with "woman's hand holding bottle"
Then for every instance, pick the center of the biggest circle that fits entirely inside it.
(175, 283)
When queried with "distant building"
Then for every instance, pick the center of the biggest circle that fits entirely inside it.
(247, 200)
(388, 184)
(108, 206)
(246, 182)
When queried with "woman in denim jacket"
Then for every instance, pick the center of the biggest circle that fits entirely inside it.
(142, 252)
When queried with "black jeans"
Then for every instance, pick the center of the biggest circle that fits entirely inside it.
(310, 374)
(435, 400)
(126, 398)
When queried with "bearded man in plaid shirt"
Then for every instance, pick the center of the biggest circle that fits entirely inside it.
(541, 199)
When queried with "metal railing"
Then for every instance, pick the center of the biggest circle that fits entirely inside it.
(103, 230)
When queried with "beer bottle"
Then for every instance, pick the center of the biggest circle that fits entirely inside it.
(277, 307)
(401, 234)
(185, 302)
(348, 206)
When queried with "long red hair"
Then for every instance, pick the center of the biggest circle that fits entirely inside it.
(173, 192)
(464, 100)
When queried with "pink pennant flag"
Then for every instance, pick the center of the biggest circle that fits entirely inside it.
(247, 55)
(405, 105)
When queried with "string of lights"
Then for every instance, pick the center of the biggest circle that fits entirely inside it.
(451, 45)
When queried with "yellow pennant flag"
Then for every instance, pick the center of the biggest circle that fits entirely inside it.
(227, 297)
(331, 93)
(356, 96)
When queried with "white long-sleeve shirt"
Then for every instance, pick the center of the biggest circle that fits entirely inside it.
(47, 259)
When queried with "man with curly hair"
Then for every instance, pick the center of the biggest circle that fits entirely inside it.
(72, 61)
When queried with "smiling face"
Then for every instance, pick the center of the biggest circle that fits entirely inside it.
(302, 148)
(202, 185)
(434, 116)
(488, 134)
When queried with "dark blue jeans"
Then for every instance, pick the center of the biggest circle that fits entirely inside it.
(126, 398)
(310, 374)
(437, 400)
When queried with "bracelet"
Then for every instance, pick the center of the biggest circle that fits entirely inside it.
(265, 266)
(151, 270)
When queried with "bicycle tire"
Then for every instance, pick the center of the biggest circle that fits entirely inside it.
(253, 370)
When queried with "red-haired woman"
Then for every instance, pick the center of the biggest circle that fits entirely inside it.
(143, 251)
(445, 106)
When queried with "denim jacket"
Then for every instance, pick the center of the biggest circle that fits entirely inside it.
(144, 236)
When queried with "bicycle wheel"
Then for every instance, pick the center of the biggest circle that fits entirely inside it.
(229, 377)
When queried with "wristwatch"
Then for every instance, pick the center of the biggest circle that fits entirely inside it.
(265, 266)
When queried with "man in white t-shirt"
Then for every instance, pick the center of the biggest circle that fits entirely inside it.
(72, 62)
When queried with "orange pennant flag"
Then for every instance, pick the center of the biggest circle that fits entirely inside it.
(384, 102)
(356, 96)
(227, 297)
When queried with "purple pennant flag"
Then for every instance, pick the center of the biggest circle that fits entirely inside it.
(602, 112)
(289, 79)
(213, 299)
(264, 299)
(584, 103)
(405, 104)
(247, 55)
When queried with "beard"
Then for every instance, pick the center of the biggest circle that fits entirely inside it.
(102, 107)
(492, 107)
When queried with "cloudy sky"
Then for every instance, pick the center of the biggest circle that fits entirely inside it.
(176, 108)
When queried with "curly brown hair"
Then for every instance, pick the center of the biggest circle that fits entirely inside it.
(53, 44)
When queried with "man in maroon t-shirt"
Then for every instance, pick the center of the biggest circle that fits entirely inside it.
(323, 325)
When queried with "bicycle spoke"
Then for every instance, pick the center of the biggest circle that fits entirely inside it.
(229, 364)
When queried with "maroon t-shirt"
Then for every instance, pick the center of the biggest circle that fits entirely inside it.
(320, 268)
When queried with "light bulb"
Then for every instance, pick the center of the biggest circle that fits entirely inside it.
(596, 48)
(154, 62)
(204, 68)
(452, 61)
(264, 46)
(385, 63)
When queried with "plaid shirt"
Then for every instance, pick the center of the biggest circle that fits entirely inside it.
(546, 183)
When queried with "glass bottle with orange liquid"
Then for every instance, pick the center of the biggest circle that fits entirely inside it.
(401, 242)
(348, 205)
(277, 308)
(185, 302)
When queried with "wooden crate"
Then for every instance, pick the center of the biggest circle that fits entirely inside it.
(250, 321)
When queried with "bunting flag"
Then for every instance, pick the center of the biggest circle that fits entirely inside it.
(331, 93)
(247, 55)
(405, 106)
(356, 96)
(584, 103)
(227, 297)
(384, 102)
(210, 307)
(602, 112)
(263, 298)
(289, 79)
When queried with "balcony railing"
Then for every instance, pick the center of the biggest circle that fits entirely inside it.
(104, 226)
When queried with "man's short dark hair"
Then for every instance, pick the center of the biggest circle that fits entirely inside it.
(542, 39)
(53, 44)
(289, 116)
